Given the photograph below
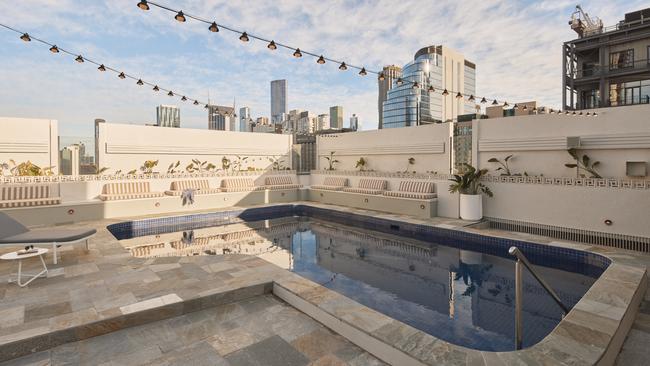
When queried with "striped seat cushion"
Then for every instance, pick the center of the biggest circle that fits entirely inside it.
(417, 186)
(363, 190)
(375, 184)
(284, 186)
(27, 195)
(336, 181)
(327, 187)
(279, 180)
(239, 185)
(181, 185)
(201, 186)
(412, 195)
(126, 191)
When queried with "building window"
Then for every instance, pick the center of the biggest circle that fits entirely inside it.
(621, 60)
(629, 93)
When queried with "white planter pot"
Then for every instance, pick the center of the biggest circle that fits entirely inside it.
(471, 207)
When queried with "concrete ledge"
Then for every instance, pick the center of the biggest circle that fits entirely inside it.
(405, 206)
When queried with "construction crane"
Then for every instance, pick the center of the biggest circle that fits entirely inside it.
(583, 24)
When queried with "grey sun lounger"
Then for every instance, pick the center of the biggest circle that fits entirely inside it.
(13, 233)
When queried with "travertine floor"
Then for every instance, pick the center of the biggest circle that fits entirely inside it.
(260, 331)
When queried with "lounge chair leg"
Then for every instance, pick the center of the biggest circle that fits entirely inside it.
(86, 244)
(54, 253)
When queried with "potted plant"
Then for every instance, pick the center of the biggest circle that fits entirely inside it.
(361, 164)
(469, 185)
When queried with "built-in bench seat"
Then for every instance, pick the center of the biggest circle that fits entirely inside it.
(26, 195)
(281, 182)
(369, 186)
(332, 184)
(127, 191)
(239, 185)
(420, 190)
(200, 186)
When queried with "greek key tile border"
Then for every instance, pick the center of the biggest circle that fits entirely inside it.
(559, 181)
(110, 177)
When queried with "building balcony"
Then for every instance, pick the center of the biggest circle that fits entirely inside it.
(610, 71)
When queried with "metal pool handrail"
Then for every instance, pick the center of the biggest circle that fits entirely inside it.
(522, 261)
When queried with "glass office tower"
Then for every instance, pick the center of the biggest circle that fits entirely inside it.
(435, 66)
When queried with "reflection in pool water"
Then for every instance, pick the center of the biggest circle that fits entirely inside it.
(463, 297)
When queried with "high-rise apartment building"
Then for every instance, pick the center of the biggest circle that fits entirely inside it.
(336, 117)
(391, 73)
(441, 68)
(245, 120)
(278, 100)
(168, 116)
(607, 66)
(354, 122)
(323, 122)
(220, 117)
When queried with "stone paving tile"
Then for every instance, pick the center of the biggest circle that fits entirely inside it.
(273, 351)
(318, 343)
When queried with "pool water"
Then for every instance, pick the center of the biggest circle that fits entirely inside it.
(461, 296)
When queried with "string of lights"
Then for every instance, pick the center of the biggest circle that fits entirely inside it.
(273, 45)
(102, 67)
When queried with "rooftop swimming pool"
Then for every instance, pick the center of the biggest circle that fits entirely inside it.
(454, 285)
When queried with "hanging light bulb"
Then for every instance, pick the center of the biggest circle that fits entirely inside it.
(580, 114)
(321, 60)
(25, 37)
(156, 88)
(459, 96)
(431, 89)
(399, 81)
(54, 49)
(505, 105)
(143, 5)
(180, 17)
(574, 113)
(415, 85)
(471, 98)
(595, 114)
(196, 102)
(140, 82)
(297, 53)
(272, 45)
(566, 112)
(525, 107)
(79, 59)
(206, 106)
(244, 37)
(183, 98)
(101, 67)
(213, 27)
(483, 101)
(516, 106)
(445, 92)
(588, 114)
(121, 76)
(171, 94)
(550, 111)
(363, 72)
(381, 76)
(343, 66)
(495, 102)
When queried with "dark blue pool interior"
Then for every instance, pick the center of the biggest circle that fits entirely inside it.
(479, 310)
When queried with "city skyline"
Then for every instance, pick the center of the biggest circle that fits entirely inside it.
(112, 37)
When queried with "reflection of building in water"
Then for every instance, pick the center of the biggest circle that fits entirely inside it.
(473, 288)
(252, 239)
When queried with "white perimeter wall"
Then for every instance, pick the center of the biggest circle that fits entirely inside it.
(538, 142)
(36, 140)
(388, 150)
(126, 147)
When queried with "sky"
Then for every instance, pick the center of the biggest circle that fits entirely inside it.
(516, 46)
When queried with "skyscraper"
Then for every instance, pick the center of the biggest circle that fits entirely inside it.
(278, 100)
(220, 117)
(354, 122)
(336, 117)
(441, 68)
(391, 73)
(168, 116)
(244, 119)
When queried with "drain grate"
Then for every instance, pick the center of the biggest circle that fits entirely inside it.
(629, 242)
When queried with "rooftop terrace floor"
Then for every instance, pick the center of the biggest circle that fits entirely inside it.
(107, 294)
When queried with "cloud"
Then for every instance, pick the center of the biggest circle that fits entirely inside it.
(515, 44)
